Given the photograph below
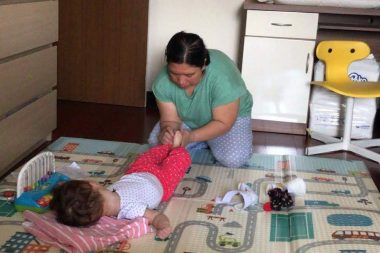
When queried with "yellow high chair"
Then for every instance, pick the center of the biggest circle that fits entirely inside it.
(337, 56)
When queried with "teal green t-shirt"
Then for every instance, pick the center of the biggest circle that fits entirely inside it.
(221, 84)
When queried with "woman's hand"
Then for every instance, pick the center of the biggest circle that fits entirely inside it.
(169, 122)
(166, 135)
(186, 137)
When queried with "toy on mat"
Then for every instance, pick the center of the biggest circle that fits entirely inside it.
(35, 182)
(280, 198)
(248, 195)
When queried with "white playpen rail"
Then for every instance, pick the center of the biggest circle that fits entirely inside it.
(35, 169)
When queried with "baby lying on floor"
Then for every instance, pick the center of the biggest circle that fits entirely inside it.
(150, 179)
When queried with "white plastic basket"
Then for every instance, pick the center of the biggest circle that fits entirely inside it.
(38, 167)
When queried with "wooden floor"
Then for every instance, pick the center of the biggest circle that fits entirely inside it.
(130, 124)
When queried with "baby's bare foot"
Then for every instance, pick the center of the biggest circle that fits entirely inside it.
(177, 140)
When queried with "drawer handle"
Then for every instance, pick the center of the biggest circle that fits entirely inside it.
(307, 63)
(280, 24)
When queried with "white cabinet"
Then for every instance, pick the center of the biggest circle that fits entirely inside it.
(277, 72)
(277, 64)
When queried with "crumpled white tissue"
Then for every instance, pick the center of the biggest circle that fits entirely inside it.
(73, 171)
(296, 186)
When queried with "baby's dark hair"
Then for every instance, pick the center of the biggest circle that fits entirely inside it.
(76, 203)
(187, 48)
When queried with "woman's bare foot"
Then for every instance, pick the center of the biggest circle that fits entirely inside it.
(177, 140)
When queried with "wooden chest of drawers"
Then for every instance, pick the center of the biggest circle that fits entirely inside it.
(28, 77)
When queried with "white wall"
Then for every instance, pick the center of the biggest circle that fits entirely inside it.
(218, 22)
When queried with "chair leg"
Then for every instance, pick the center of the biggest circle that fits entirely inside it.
(325, 148)
(365, 153)
(367, 143)
(358, 147)
(323, 137)
(348, 116)
(341, 145)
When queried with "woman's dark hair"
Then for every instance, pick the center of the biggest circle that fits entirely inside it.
(187, 48)
(76, 203)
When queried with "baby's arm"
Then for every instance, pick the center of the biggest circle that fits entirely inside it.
(160, 221)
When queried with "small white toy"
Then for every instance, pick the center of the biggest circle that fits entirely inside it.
(248, 195)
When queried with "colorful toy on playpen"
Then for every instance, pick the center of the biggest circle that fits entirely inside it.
(35, 182)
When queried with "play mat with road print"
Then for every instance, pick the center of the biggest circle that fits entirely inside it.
(339, 212)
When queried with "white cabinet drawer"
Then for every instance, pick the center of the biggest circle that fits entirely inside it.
(24, 26)
(23, 130)
(25, 78)
(281, 24)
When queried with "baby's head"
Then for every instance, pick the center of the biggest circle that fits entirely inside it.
(77, 203)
